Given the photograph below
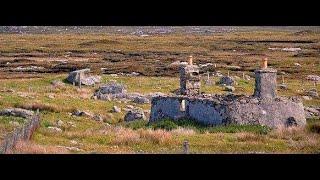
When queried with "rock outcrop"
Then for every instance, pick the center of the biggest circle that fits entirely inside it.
(135, 114)
(82, 75)
(115, 91)
(227, 80)
(18, 112)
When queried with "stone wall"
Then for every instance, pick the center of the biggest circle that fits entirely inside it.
(22, 133)
(209, 111)
(272, 113)
(230, 109)
(166, 107)
(205, 111)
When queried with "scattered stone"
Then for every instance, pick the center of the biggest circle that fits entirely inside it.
(113, 75)
(129, 106)
(313, 78)
(247, 77)
(25, 95)
(18, 112)
(283, 86)
(55, 129)
(29, 68)
(234, 67)
(270, 48)
(297, 64)
(81, 113)
(71, 124)
(227, 80)
(301, 33)
(311, 112)
(74, 77)
(312, 93)
(135, 114)
(230, 88)
(51, 96)
(59, 123)
(116, 109)
(112, 88)
(242, 101)
(134, 74)
(218, 74)
(205, 65)
(306, 97)
(94, 97)
(8, 90)
(73, 142)
(71, 148)
(141, 100)
(291, 49)
(98, 117)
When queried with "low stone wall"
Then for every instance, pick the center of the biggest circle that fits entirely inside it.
(272, 113)
(22, 133)
(218, 110)
(206, 111)
(166, 107)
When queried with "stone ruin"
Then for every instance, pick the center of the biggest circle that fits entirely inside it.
(189, 79)
(82, 77)
(262, 108)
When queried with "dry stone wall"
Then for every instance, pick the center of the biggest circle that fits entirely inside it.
(22, 133)
(218, 110)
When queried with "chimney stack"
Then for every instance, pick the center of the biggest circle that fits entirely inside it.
(190, 78)
(264, 63)
(265, 81)
(190, 60)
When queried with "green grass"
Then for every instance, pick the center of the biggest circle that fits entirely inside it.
(314, 125)
(6, 127)
(168, 124)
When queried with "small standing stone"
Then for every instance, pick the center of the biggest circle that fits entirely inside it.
(116, 109)
(54, 129)
(98, 118)
(230, 88)
(186, 147)
(59, 123)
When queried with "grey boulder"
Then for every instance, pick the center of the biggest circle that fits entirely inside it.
(135, 114)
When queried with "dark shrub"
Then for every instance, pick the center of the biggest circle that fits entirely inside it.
(166, 124)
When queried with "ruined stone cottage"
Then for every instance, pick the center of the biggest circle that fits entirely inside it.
(264, 107)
